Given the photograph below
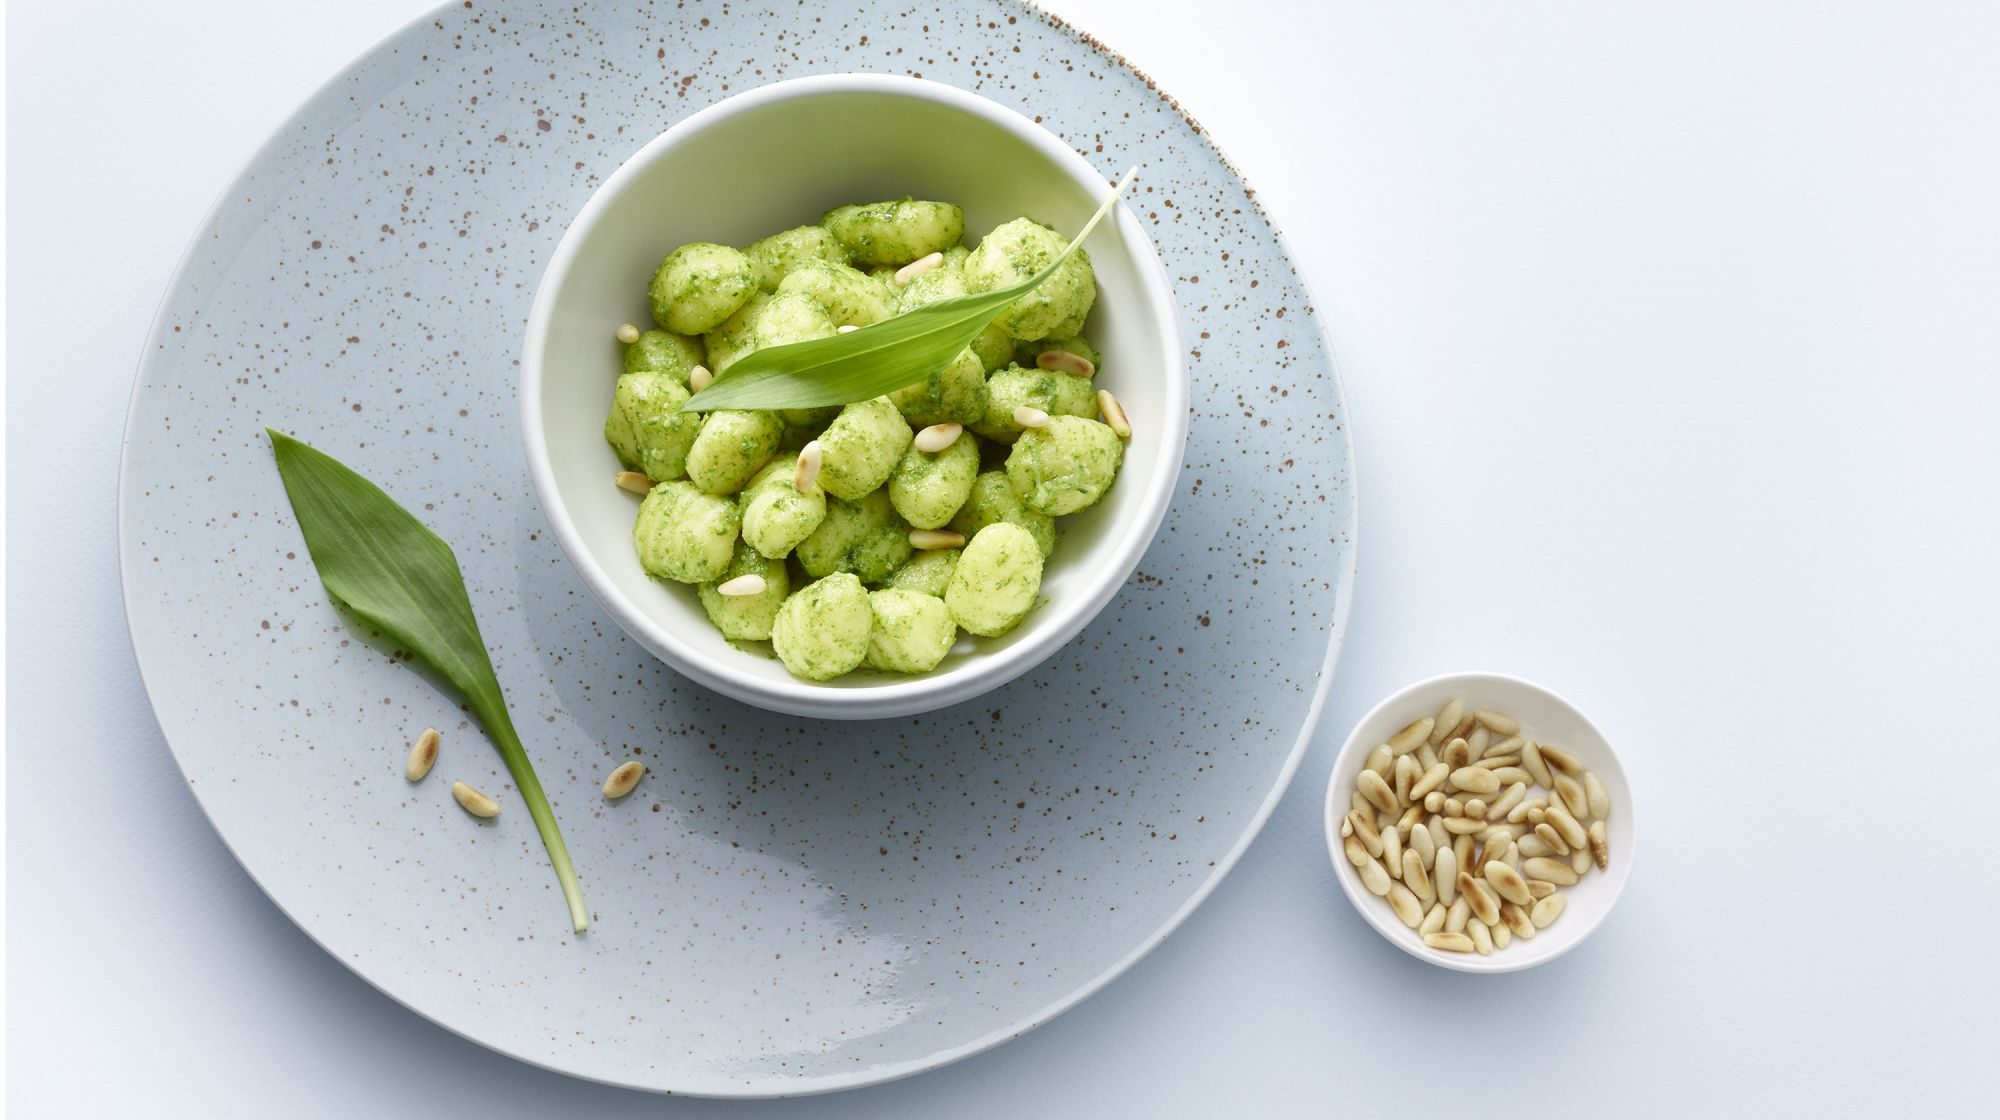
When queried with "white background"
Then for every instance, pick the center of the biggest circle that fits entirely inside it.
(1671, 334)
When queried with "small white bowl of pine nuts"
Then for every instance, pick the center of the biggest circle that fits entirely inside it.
(1480, 822)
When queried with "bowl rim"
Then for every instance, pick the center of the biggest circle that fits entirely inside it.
(1055, 624)
(1384, 921)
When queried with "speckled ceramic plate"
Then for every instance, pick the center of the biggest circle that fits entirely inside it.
(785, 906)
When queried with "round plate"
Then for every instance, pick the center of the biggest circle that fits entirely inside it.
(785, 906)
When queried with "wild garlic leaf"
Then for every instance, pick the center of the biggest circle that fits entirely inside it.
(393, 571)
(877, 359)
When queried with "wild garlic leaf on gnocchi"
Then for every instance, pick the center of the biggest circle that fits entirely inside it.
(879, 358)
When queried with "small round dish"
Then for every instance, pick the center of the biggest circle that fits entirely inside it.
(775, 157)
(1545, 717)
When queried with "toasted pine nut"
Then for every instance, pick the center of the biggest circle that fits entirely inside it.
(1423, 846)
(1532, 845)
(806, 478)
(917, 268)
(1572, 832)
(1406, 740)
(1434, 801)
(1432, 778)
(1510, 745)
(1435, 826)
(1485, 906)
(1375, 878)
(1433, 920)
(1456, 914)
(1461, 850)
(1392, 852)
(628, 333)
(473, 801)
(1548, 910)
(1478, 741)
(1517, 919)
(1365, 829)
(1453, 807)
(1502, 936)
(1552, 870)
(1482, 937)
(1541, 888)
(1380, 760)
(1573, 799)
(1501, 724)
(1475, 779)
(1504, 851)
(1406, 776)
(1062, 361)
(1531, 758)
(1520, 812)
(1476, 808)
(699, 378)
(1579, 860)
(1405, 905)
(624, 779)
(937, 437)
(1445, 874)
(1496, 834)
(1357, 802)
(1028, 416)
(1368, 782)
(1600, 846)
(1427, 756)
(1415, 874)
(1356, 853)
(741, 586)
(1551, 839)
(1457, 754)
(1507, 772)
(1559, 759)
(632, 482)
(1114, 414)
(1410, 821)
(1512, 796)
(1447, 718)
(423, 755)
(1449, 942)
(1597, 796)
(926, 539)
(1507, 882)
(846, 328)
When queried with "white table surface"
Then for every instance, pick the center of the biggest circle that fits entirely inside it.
(1672, 339)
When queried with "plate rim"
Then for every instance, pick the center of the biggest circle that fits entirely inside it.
(873, 1075)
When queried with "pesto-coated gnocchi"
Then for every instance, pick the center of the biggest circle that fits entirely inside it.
(743, 502)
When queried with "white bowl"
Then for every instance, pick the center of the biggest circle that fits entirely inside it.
(776, 157)
(1546, 718)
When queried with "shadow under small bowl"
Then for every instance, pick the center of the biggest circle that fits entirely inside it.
(1545, 718)
(777, 157)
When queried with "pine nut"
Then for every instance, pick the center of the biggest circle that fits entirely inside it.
(1439, 836)
(1598, 797)
(1541, 888)
(1114, 414)
(1449, 942)
(1475, 779)
(1392, 852)
(937, 437)
(1406, 777)
(1464, 826)
(1579, 860)
(1456, 914)
(1548, 910)
(624, 779)
(1346, 827)
(1510, 745)
(1497, 762)
(473, 801)
(1520, 812)
(1368, 782)
(1551, 839)
(1496, 834)
(1482, 938)
(1573, 799)
(1572, 832)
(1502, 936)
(1532, 845)
(925, 540)
(1355, 852)
(699, 378)
(1480, 897)
(1461, 850)
(1463, 730)
(1554, 871)
(1531, 757)
(1517, 919)
(1600, 846)
(1062, 361)
(1410, 821)
(1379, 760)
(1434, 920)
(1453, 807)
(1365, 829)
(1475, 808)
(1432, 778)
(1427, 757)
(1358, 803)
(1477, 742)
(806, 478)
(846, 328)
(1506, 853)
(1405, 905)
(423, 755)
(1445, 875)
(1457, 754)
(917, 268)
(1406, 740)
(1375, 878)
(1447, 718)
(1028, 416)
(1507, 774)
(1513, 796)
(632, 482)
(1537, 815)
(1434, 801)
(1559, 759)
(1508, 882)
(741, 586)
(627, 333)
(1500, 724)
(1421, 846)
(1417, 877)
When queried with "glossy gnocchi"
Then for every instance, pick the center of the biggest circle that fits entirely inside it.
(831, 533)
